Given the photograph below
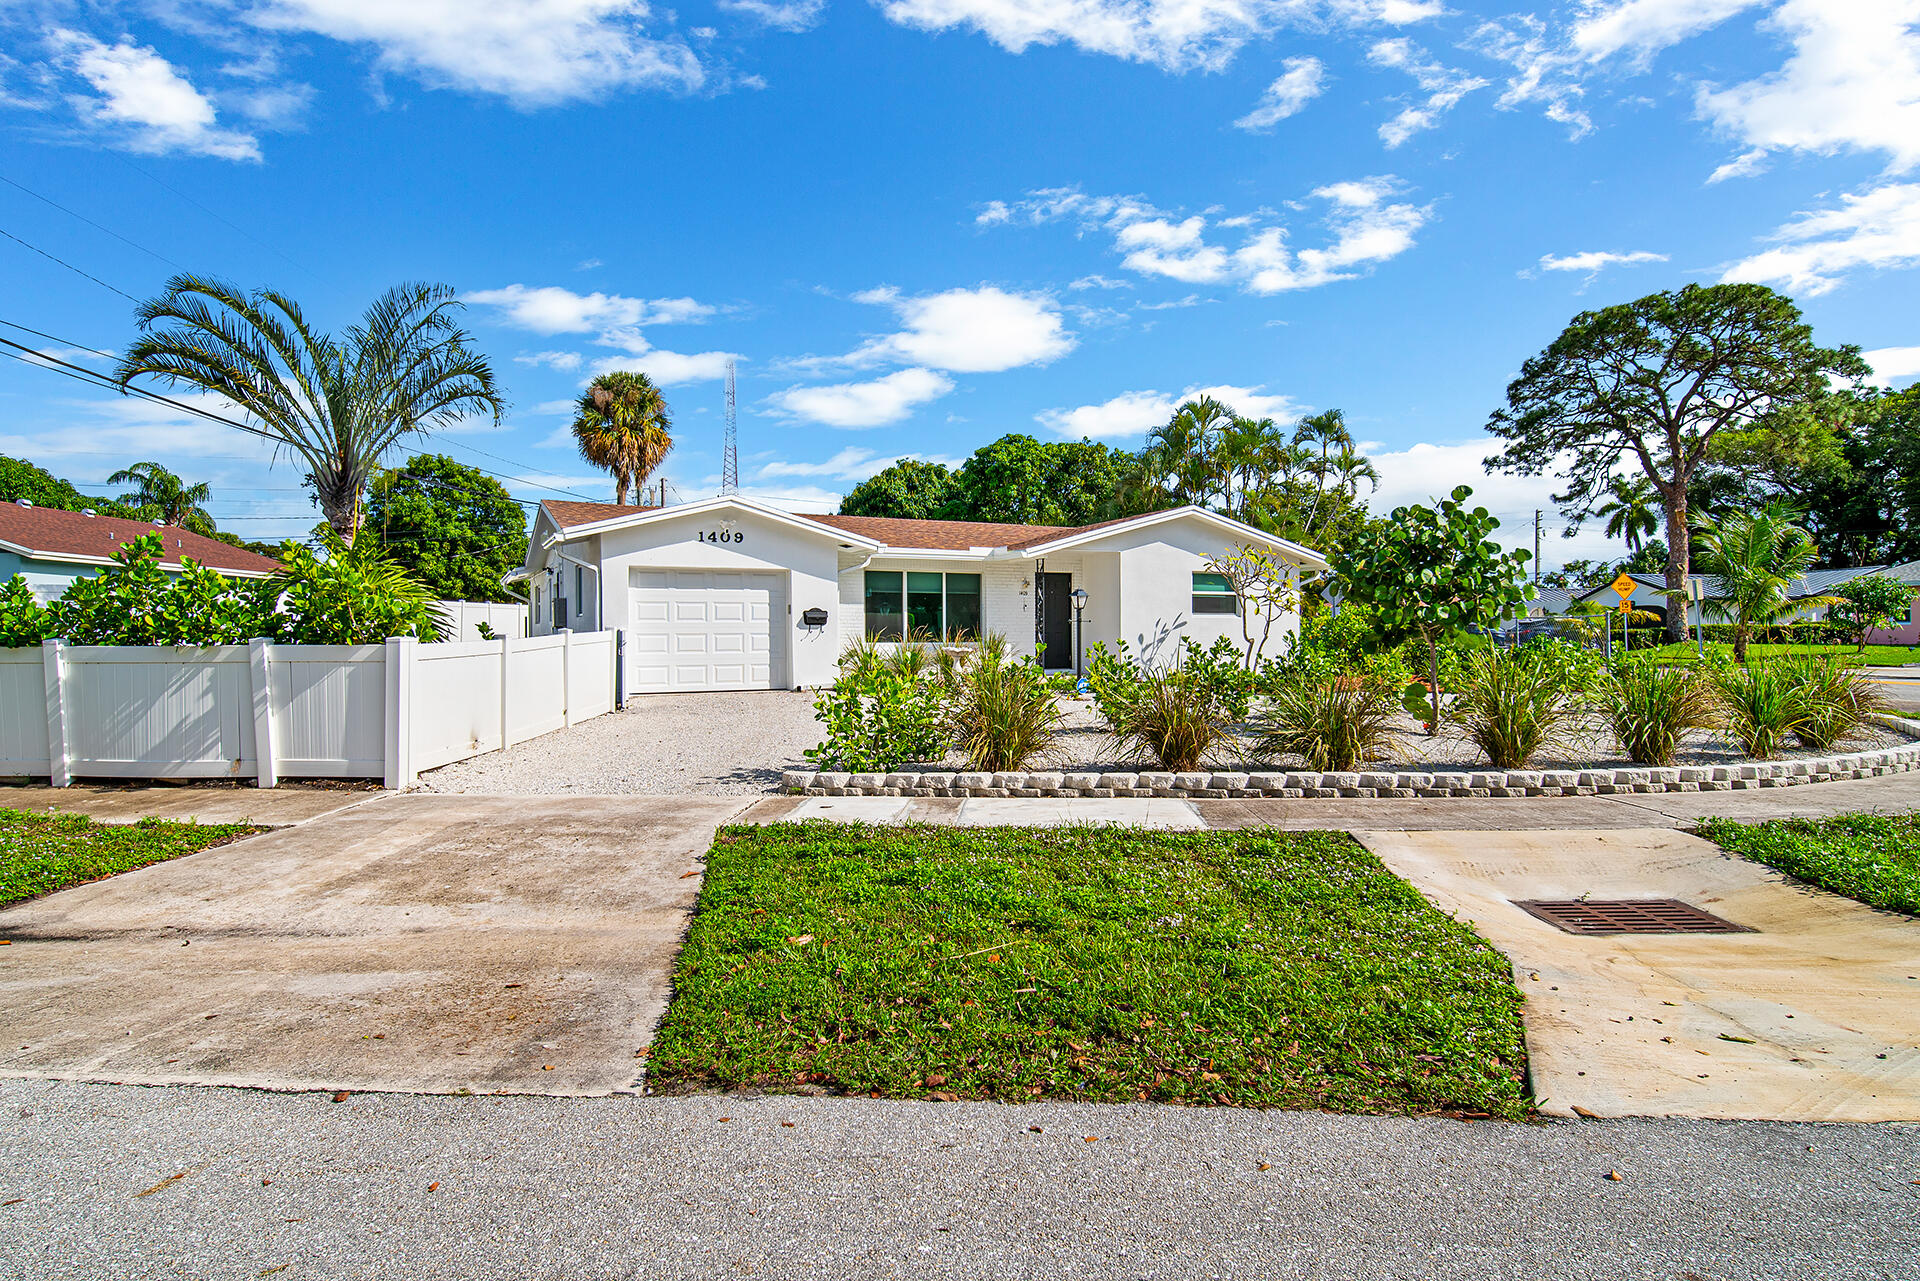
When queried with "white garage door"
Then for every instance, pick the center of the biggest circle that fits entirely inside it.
(705, 629)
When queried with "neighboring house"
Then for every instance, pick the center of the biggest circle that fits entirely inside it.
(729, 593)
(1650, 594)
(51, 548)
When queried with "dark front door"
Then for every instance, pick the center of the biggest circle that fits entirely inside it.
(1055, 627)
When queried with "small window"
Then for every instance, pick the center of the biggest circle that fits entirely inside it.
(886, 609)
(1213, 594)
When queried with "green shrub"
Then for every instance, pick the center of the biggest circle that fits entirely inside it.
(1651, 707)
(1839, 700)
(1513, 706)
(1332, 723)
(1222, 669)
(1113, 678)
(1172, 717)
(23, 621)
(877, 720)
(354, 596)
(135, 602)
(1578, 668)
(1763, 705)
(1004, 715)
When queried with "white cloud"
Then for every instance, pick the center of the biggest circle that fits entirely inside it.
(864, 404)
(1541, 71)
(852, 463)
(533, 52)
(1097, 281)
(1644, 27)
(144, 103)
(1890, 363)
(982, 330)
(1175, 35)
(1366, 226)
(549, 309)
(1301, 81)
(795, 15)
(1744, 165)
(1852, 83)
(669, 368)
(1367, 230)
(1393, 13)
(1875, 229)
(1597, 260)
(551, 359)
(1443, 86)
(1133, 413)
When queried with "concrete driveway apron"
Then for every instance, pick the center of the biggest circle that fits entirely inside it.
(430, 943)
(1814, 1016)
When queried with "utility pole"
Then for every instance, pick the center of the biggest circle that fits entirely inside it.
(1536, 547)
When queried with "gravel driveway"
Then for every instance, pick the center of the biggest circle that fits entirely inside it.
(662, 744)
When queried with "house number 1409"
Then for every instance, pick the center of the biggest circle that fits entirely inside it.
(719, 536)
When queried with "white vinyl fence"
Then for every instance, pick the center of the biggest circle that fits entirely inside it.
(269, 712)
(463, 618)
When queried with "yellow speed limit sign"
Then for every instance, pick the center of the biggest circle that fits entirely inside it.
(1625, 586)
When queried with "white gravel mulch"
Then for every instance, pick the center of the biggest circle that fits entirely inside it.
(740, 743)
(661, 745)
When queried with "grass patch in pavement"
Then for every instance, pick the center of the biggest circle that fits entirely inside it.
(1874, 858)
(40, 853)
(1257, 968)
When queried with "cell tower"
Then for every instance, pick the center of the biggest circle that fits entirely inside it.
(730, 455)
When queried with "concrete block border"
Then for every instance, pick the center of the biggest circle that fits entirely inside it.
(1742, 776)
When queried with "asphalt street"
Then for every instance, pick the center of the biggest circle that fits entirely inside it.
(148, 1182)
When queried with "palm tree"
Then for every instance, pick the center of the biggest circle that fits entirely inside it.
(1757, 555)
(1633, 512)
(338, 403)
(621, 424)
(157, 489)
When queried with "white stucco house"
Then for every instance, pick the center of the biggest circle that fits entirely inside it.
(730, 593)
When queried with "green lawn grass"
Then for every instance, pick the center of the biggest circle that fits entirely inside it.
(1874, 655)
(1249, 968)
(1871, 857)
(40, 853)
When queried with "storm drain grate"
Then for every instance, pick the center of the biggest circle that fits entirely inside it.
(1628, 916)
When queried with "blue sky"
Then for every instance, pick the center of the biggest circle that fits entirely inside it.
(919, 224)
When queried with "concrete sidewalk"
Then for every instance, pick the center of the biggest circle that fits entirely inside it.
(446, 943)
(196, 803)
(1814, 1016)
(1654, 809)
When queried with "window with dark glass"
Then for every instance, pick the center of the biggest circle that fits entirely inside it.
(963, 607)
(885, 608)
(1213, 594)
(924, 606)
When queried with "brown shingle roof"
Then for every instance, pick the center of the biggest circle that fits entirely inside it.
(920, 535)
(58, 535)
(566, 515)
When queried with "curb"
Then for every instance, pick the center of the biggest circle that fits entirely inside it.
(1369, 785)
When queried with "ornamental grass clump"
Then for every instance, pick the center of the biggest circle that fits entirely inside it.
(1764, 706)
(1650, 708)
(1512, 707)
(1332, 722)
(1839, 699)
(1005, 716)
(1172, 717)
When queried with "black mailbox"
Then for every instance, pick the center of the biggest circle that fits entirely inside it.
(815, 617)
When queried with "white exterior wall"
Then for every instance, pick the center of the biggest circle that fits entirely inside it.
(808, 562)
(1005, 606)
(1156, 594)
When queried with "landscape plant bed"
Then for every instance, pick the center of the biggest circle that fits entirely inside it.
(1874, 858)
(1256, 968)
(40, 853)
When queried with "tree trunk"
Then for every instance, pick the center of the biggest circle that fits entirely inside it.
(1679, 561)
(1433, 674)
(622, 486)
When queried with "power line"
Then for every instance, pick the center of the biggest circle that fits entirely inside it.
(69, 266)
(215, 216)
(38, 333)
(90, 222)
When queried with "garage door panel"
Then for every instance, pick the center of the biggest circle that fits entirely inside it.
(698, 630)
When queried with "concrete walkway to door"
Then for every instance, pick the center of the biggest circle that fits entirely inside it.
(439, 943)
